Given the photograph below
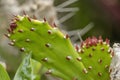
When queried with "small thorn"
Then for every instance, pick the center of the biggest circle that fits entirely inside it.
(77, 48)
(102, 49)
(100, 60)
(27, 40)
(13, 22)
(90, 55)
(29, 19)
(44, 19)
(13, 26)
(90, 67)
(109, 50)
(17, 19)
(106, 66)
(9, 31)
(20, 30)
(24, 13)
(45, 59)
(13, 40)
(81, 44)
(112, 53)
(66, 36)
(54, 24)
(85, 71)
(81, 51)
(7, 35)
(49, 71)
(110, 70)
(79, 58)
(68, 57)
(47, 45)
(34, 17)
(107, 41)
(49, 32)
(100, 40)
(11, 44)
(99, 74)
(22, 49)
(32, 29)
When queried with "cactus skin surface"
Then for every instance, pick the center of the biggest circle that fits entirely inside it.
(48, 46)
(96, 56)
(54, 50)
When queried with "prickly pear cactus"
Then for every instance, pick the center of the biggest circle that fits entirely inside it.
(96, 56)
(55, 51)
(48, 46)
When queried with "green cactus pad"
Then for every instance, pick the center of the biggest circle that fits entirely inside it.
(48, 46)
(96, 56)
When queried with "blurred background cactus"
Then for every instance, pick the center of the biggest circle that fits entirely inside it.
(79, 18)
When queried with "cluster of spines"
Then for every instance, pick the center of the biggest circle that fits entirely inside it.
(95, 51)
(94, 41)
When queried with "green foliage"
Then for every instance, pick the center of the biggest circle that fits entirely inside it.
(28, 69)
(3, 74)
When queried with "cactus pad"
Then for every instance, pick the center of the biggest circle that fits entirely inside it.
(54, 50)
(48, 46)
(96, 56)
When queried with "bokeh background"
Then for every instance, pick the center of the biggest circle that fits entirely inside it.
(79, 18)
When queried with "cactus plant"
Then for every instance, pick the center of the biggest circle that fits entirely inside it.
(96, 56)
(55, 51)
(45, 44)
